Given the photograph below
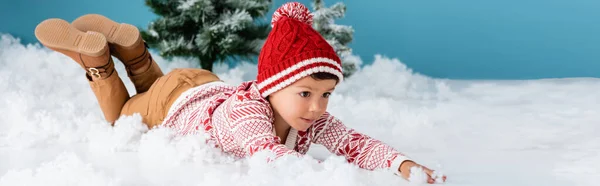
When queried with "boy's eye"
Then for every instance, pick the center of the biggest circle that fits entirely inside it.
(304, 94)
(326, 95)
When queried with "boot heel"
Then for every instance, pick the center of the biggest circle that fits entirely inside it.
(59, 34)
(125, 35)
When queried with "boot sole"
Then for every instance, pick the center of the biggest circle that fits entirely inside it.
(59, 34)
(122, 34)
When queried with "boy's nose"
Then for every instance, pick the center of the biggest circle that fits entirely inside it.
(315, 106)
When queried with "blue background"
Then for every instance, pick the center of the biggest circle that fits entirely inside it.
(459, 39)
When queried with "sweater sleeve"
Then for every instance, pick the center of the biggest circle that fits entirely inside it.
(252, 129)
(357, 148)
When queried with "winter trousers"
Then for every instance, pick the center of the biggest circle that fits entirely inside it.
(153, 105)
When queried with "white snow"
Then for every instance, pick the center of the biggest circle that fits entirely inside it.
(232, 21)
(186, 4)
(536, 132)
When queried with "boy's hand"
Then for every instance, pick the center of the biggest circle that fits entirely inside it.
(406, 166)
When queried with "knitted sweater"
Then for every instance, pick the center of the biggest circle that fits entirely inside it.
(240, 122)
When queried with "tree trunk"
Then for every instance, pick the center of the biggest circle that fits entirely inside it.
(206, 63)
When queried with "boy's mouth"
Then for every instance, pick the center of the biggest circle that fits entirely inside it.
(307, 120)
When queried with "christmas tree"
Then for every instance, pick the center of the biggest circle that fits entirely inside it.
(209, 30)
(338, 36)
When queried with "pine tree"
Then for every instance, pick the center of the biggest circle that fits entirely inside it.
(209, 30)
(338, 36)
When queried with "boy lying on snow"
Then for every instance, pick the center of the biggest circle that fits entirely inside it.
(282, 111)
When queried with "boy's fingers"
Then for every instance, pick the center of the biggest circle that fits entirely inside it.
(428, 171)
(430, 174)
(430, 180)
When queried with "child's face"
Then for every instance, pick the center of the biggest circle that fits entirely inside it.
(302, 102)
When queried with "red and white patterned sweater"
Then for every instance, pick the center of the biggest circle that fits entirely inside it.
(240, 122)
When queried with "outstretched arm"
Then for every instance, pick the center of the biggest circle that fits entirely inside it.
(360, 149)
(357, 148)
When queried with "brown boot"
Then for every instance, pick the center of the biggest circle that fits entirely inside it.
(90, 50)
(126, 44)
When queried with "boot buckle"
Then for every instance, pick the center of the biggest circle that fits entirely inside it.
(94, 72)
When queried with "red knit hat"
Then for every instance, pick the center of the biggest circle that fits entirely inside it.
(293, 50)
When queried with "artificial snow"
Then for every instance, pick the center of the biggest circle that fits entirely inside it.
(186, 4)
(526, 132)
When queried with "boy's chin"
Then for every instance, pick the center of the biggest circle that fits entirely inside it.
(302, 128)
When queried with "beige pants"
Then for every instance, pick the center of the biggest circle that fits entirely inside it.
(153, 104)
